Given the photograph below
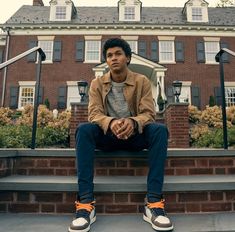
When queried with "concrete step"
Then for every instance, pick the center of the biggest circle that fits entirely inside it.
(62, 162)
(117, 183)
(223, 222)
(117, 194)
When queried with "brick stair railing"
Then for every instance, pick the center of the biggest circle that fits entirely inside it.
(175, 116)
(44, 181)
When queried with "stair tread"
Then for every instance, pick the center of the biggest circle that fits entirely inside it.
(129, 223)
(172, 152)
(118, 183)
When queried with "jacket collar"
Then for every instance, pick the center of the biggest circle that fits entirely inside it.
(129, 79)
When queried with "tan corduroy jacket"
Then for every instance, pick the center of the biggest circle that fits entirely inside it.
(137, 92)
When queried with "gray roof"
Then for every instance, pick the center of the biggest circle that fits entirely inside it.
(109, 15)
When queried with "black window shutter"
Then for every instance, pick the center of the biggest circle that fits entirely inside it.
(40, 96)
(195, 95)
(142, 48)
(102, 57)
(62, 97)
(218, 96)
(179, 51)
(14, 92)
(33, 56)
(57, 51)
(154, 51)
(225, 55)
(1, 56)
(170, 95)
(80, 51)
(200, 52)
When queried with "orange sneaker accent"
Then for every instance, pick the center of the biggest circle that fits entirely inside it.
(159, 204)
(87, 206)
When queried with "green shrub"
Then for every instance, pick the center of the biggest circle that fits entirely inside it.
(49, 136)
(194, 114)
(213, 138)
(212, 101)
(12, 136)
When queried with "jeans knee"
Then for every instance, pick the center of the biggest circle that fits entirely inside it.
(84, 128)
(163, 129)
(158, 129)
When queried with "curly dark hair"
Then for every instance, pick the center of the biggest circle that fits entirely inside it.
(117, 42)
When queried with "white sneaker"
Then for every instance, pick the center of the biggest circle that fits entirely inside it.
(155, 215)
(85, 216)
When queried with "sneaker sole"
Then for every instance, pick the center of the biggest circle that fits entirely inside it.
(156, 227)
(86, 229)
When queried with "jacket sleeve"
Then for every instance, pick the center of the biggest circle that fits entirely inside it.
(146, 111)
(96, 110)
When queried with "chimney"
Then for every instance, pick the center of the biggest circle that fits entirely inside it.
(38, 3)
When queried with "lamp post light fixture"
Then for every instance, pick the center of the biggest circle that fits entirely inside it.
(82, 89)
(177, 89)
(219, 58)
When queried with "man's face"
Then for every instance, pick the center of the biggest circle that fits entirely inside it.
(116, 59)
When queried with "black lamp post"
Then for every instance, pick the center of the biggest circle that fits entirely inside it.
(177, 89)
(82, 89)
(219, 58)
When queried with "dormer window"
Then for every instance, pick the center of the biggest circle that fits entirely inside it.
(129, 13)
(60, 12)
(196, 11)
(129, 10)
(197, 14)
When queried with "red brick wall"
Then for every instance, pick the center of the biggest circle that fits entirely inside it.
(55, 75)
(79, 114)
(177, 121)
(6, 166)
(108, 166)
(63, 202)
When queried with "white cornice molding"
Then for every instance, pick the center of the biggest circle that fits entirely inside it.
(126, 30)
(125, 27)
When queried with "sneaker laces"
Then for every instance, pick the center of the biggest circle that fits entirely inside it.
(84, 209)
(157, 207)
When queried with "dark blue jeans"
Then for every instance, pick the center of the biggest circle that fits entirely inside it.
(90, 136)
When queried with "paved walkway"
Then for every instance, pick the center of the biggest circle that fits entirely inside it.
(223, 222)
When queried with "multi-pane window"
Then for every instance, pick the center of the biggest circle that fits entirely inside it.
(26, 96)
(47, 47)
(133, 45)
(211, 49)
(166, 51)
(93, 51)
(185, 95)
(197, 14)
(230, 96)
(60, 12)
(129, 13)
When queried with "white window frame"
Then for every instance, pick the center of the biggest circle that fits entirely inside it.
(197, 15)
(229, 89)
(97, 50)
(72, 93)
(163, 51)
(129, 13)
(47, 45)
(186, 94)
(133, 45)
(210, 52)
(60, 12)
(23, 85)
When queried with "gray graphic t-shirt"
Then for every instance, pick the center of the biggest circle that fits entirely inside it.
(116, 103)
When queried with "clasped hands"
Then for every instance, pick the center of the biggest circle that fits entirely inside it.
(122, 128)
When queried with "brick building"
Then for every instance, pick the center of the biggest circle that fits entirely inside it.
(168, 43)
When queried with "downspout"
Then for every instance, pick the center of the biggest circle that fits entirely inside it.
(5, 69)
